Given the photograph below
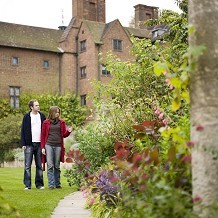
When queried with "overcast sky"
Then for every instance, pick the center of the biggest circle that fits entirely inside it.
(53, 13)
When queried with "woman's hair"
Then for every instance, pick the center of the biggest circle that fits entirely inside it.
(52, 111)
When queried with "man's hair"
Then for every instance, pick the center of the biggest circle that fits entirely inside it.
(31, 103)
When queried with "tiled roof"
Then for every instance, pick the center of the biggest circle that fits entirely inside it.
(141, 33)
(74, 23)
(109, 25)
(96, 29)
(29, 37)
(38, 38)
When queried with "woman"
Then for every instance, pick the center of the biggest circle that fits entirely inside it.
(54, 131)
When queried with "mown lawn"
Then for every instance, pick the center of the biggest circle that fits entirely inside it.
(32, 203)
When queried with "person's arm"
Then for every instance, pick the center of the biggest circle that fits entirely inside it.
(43, 133)
(42, 143)
(22, 138)
(70, 129)
(66, 131)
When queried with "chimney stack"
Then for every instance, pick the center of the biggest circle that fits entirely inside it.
(93, 10)
(144, 13)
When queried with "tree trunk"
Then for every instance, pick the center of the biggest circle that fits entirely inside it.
(203, 16)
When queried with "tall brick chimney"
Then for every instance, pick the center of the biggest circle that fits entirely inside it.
(93, 10)
(143, 13)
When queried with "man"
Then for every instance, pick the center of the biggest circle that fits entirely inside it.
(30, 142)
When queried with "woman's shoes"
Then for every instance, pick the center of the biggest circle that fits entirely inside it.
(51, 187)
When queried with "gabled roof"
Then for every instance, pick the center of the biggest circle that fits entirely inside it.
(29, 37)
(109, 25)
(74, 23)
(96, 29)
(141, 33)
(99, 30)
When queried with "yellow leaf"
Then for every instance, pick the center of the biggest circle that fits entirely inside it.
(171, 153)
(185, 95)
(175, 105)
(160, 67)
(176, 82)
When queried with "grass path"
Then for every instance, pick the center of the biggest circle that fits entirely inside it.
(32, 203)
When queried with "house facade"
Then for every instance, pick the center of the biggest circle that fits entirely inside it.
(66, 60)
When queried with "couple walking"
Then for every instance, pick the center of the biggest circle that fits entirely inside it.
(43, 139)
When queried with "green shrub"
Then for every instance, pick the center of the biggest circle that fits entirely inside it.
(5, 108)
(71, 111)
(69, 142)
(9, 135)
(9, 156)
(75, 176)
(18, 154)
(95, 143)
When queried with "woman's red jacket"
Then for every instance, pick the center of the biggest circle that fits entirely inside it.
(44, 136)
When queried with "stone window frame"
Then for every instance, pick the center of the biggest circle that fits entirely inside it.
(83, 46)
(104, 71)
(83, 72)
(46, 64)
(148, 16)
(83, 100)
(15, 61)
(117, 44)
(14, 93)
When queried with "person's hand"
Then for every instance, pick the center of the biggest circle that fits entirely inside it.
(24, 147)
(70, 129)
(43, 151)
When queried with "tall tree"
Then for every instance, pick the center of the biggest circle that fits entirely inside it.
(203, 16)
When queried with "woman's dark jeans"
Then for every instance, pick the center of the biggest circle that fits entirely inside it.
(33, 151)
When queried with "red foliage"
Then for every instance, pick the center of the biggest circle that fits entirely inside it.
(149, 128)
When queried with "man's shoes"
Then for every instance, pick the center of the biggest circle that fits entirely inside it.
(59, 187)
(27, 188)
(41, 187)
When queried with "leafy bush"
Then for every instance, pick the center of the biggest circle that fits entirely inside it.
(9, 156)
(69, 143)
(5, 108)
(75, 176)
(71, 111)
(152, 159)
(143, 181)
(18, 154)
(9, 134)
(95, 142)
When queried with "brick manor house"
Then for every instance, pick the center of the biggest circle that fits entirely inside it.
(65, 60)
